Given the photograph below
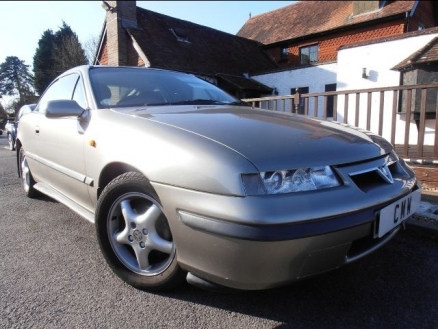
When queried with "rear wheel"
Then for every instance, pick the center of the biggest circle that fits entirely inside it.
(134, 234)
(27, 181)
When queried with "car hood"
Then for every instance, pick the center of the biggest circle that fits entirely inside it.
(274, 140)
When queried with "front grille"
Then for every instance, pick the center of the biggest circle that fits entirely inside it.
(373, 174)
(366, 181)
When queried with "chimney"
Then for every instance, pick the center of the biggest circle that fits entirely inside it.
(362, 7)
(119, 15)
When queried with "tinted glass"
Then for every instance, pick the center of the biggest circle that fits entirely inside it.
(61, 89)
(79, 94)
(126, 87)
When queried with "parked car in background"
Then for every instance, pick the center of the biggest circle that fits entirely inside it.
(196, 185)
(10, 130)
(12, 126)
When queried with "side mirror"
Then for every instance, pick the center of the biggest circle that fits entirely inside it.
(62, 108)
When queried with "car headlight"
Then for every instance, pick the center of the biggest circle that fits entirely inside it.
(288, 181)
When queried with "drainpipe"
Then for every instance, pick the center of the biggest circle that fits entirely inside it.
(406, 22)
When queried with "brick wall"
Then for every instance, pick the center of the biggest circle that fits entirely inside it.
(102, 59)
(133, 57)
(118, 40)
(117, 47)
(328, 45)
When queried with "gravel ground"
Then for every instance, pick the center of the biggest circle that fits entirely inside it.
(425, 220)
(428, 212)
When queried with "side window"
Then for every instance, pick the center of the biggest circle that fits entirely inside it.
(79, 94)
(61, 89)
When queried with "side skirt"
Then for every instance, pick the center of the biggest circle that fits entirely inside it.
(51, 192)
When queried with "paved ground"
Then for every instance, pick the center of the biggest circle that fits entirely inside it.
(52, 275)
(425, 221)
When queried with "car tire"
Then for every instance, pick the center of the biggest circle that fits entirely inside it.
(27, 181)
(11, 142)
(134, 234)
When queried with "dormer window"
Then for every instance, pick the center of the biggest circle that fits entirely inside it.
(180, 34)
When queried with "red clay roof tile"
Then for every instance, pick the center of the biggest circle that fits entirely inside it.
(311, 17)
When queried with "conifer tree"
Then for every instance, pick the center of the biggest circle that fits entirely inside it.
(56, 53)
(15, 78)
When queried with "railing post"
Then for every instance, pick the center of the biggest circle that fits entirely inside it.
(297, 100)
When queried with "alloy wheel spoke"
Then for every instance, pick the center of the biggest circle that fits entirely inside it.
(149, 218)
(24, 167)
(142, 255)
(128, 212)
(123, 237)
(155, 242)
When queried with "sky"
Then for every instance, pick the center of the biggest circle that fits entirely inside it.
(22, 23)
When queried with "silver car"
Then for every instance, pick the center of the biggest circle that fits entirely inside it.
(12, 127)
(184, 182)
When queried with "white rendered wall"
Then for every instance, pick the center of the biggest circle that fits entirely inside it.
(378, 59)
(315, 77)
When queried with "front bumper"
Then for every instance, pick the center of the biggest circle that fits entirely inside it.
(261, 242)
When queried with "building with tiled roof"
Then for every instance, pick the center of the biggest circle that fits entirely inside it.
(310, 32)
(304, 40)
(135, 36)
(305, 34)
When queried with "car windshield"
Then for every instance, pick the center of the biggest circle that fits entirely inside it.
(130, 87)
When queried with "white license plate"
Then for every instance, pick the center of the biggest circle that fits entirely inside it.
(398, 211)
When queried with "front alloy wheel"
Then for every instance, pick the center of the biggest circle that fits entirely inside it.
(135, 236)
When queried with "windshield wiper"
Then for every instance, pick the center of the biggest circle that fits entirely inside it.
(199, 102)
(240, 103)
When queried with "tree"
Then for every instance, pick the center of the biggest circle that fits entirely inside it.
(15, 79)
(90, 48)
(56, 53)
(3, 114)
(68, 51)
(42, 62)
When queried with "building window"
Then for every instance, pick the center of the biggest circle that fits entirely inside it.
(284, 54)
(309, 54)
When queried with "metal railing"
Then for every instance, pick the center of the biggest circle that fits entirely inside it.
(404, 115)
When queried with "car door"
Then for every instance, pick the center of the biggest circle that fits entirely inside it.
(61, 142)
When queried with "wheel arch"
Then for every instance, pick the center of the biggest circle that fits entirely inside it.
(111, 171)
(17, 154)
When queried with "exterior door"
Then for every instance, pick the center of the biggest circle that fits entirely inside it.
(60, 146)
